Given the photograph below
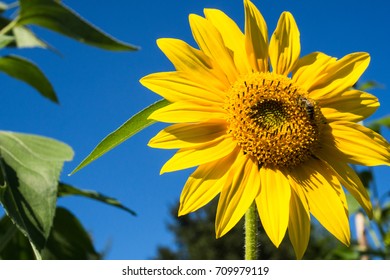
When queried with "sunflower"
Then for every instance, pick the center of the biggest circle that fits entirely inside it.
(266, 126)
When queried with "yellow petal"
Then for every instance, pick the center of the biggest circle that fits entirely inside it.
(273, 203)
(360, 144)
(186, 158)
(181, 135)
(340, 75)
(183, 56)
(346, 175)
(256, 38)
(310, 69)
(352, 105)
(232, 36)
(325, 197)
(285, 46)
(183, 111)
(180, 86)
(238, 195)
(211, 43)
(205, 183)
(190, 60)
(299, 221)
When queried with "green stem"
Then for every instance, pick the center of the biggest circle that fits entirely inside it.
(251, 233)
(9, 26)
(36, 252)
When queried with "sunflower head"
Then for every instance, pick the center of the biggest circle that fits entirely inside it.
(273, 120)
(264, 125)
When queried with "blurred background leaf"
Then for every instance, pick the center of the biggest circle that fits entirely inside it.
(25, 38)
(26, 71)
(68, 190)
(30, 165)
(55, 16)
(377, 125)
(3, 6)
(5, 40)
(369, 85)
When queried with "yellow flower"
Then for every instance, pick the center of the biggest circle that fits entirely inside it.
(265, 125)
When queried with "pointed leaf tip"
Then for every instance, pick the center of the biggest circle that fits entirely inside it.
(26, 71)
(132, 126)
(66, 190)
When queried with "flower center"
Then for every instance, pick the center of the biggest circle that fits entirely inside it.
(273, 119)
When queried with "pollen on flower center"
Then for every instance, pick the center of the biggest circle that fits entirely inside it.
(273, 120)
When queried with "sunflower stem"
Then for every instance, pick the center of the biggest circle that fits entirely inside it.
(251, 233)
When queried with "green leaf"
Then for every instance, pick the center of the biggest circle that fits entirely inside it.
(377, 124)
(66, 190)
(132, 126)
(345, 253)
(385, 209)
(68, 240)
(24, 70)
(366, 177)
(353, 205)
(30, 167)
(3, 6)
(25, 38)
(22, 36)
(13, 244)
(58, 18)
(369, 85)
(5, 40)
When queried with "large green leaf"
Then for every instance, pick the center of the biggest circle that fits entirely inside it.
(132, 126)
(56, 17)
(29, 171)
(68, 240)
(66, 190)
(26, 71)
(13, 244)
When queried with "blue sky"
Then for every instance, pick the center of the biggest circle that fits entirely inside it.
(99, 90)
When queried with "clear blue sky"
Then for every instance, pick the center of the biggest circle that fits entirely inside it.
(99, 90)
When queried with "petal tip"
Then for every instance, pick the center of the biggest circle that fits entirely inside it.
(181, 211)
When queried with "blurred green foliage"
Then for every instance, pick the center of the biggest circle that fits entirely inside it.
(30, 165)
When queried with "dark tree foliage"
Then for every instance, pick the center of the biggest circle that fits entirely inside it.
(195, 240)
